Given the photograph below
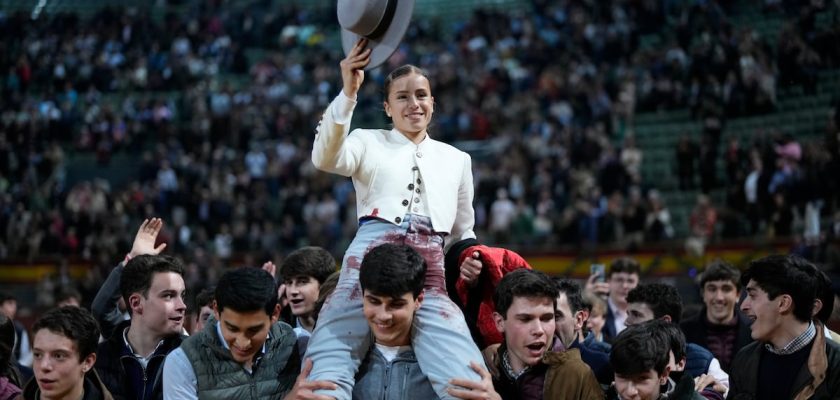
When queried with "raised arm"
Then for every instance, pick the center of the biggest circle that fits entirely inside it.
(104, 307)
(333, 151)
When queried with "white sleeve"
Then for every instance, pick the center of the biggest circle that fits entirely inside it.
(334, 150)
(179, 381)
(465, 214)
(717, 372)
(342, 112)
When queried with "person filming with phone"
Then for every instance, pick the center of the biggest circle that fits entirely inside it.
(622, 277)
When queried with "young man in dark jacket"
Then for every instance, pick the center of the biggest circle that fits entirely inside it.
(660, 301)
(643, 357)
(64, 351)
(130, 362)
(790, 358)
(531, 364)
(152, 287)
(719, 326)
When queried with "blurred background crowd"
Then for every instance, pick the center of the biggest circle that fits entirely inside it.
(609, 124)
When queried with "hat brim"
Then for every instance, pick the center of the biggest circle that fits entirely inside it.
(385, 45)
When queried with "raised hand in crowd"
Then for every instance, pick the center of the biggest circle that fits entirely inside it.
(596, 285)
(104, 306)
(269, 267)
(144, 241)
(352, 68)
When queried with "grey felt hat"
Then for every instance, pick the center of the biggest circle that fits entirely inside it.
(382, 22)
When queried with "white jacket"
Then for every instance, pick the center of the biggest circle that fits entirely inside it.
(381, 163)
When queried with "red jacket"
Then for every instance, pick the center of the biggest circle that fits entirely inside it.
(496, 263)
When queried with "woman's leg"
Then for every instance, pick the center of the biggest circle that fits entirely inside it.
(441, 339)
(442, 342)
(342, 337)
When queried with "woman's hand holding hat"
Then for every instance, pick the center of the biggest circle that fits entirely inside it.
(352, 68)
(382, 22)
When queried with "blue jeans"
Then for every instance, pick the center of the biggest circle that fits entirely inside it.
(440, 337)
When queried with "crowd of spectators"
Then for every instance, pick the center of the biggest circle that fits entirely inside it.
(219, 142)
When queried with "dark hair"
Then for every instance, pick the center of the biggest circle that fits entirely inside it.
(639, 349)
(205, 297)
(404, 70)
(66, 293)
(6, 296)
(74, 323)
(393, 270)
(780, 274)
(324, 292)
(625, 264)
(721, 271)
(8, 337)
(675, 335)
(523, 282)
(573, 292)
(661, 298)
(312, 261)
(246, 290)
(138, 273)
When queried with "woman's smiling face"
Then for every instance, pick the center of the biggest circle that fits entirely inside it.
(410, 105)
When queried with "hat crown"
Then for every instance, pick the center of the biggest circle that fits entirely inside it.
(361, 17)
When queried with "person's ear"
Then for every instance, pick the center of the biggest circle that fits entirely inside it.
(681, 364)
(419, 300)
(387, 108)
(275, 315)
(580, 319)
(818, 305)
(88, 362)
(666, 318)
(500, 322)
(216, 311)
(664, 377)
(134, 303)
(785, 304)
